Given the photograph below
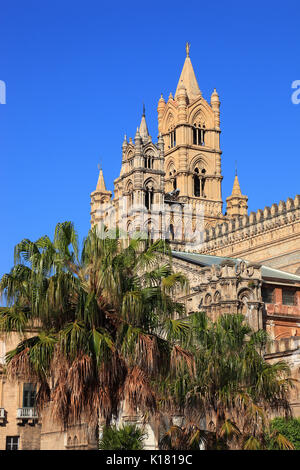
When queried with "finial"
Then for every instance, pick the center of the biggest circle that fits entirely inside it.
(235, 168)
(99, 166)
(144, 112)
(187, 48)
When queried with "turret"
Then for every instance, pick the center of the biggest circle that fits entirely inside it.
(215, 104)
(160, 110)
(236, 203)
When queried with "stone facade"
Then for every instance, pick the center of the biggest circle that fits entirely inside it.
(270, 236)
(15, 419)
(184, 169)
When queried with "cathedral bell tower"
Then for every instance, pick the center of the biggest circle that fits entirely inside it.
(190, 127)
(139, 189)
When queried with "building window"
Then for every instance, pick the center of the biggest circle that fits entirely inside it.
(268, 296)
(29, 394)
(149, 196)
(196, 183)
(12, 442)
(288, 297)
(199, 182)
(173, 139)
(198, 134)
(148, 162)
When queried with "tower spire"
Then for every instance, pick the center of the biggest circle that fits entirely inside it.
(101, 184)
(144, 133)
(188, 78)
(236, 202)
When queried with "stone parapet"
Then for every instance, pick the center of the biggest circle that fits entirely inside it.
(263, 235)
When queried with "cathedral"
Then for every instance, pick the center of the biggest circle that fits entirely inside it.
(172, 189)
(235, 262)
(180, 174)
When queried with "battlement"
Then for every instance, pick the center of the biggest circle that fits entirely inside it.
(257, 223)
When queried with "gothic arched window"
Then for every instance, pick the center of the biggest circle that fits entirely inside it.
(149, 196)
(197, 185)
(172, 137)
(148, 161)
(199, 182)
(198, 134)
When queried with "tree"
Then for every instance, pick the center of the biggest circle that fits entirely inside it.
(288, 428)
(126, 437)
(104, 318)
(234, 388)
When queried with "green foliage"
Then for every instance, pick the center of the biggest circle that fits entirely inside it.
(289, 428)
(103, 318)
(127, 437)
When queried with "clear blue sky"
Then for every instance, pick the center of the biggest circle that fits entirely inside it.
(78, 72)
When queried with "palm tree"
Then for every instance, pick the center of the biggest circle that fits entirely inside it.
(234, 388)
(106, 332)
(126, 437)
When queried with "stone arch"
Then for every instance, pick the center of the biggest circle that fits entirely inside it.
(129, 186)
(149, 188)
(204, 112)
(149, 158)
(129, 191)
(198, 160)
(170, 168)
(130, 154)
(245, 293)
(207, 299)
(170, 121)
(217, 297)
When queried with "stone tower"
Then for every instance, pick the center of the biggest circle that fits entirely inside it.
(139, 189)
(100, 200)
(190, 127)
(236, 203)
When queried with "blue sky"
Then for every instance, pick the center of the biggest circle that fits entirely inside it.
(77, 74)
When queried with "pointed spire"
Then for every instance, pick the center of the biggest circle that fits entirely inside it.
(236, 190)
(125, 143)
(188, 78)
(236, 202)
(143, 127)
(101, 184)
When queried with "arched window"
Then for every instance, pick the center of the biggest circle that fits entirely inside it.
(203, 182)
(149, 196)
(198, 134)
(148, 161)
(199, 182)
(172, 138)
(196, 183)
